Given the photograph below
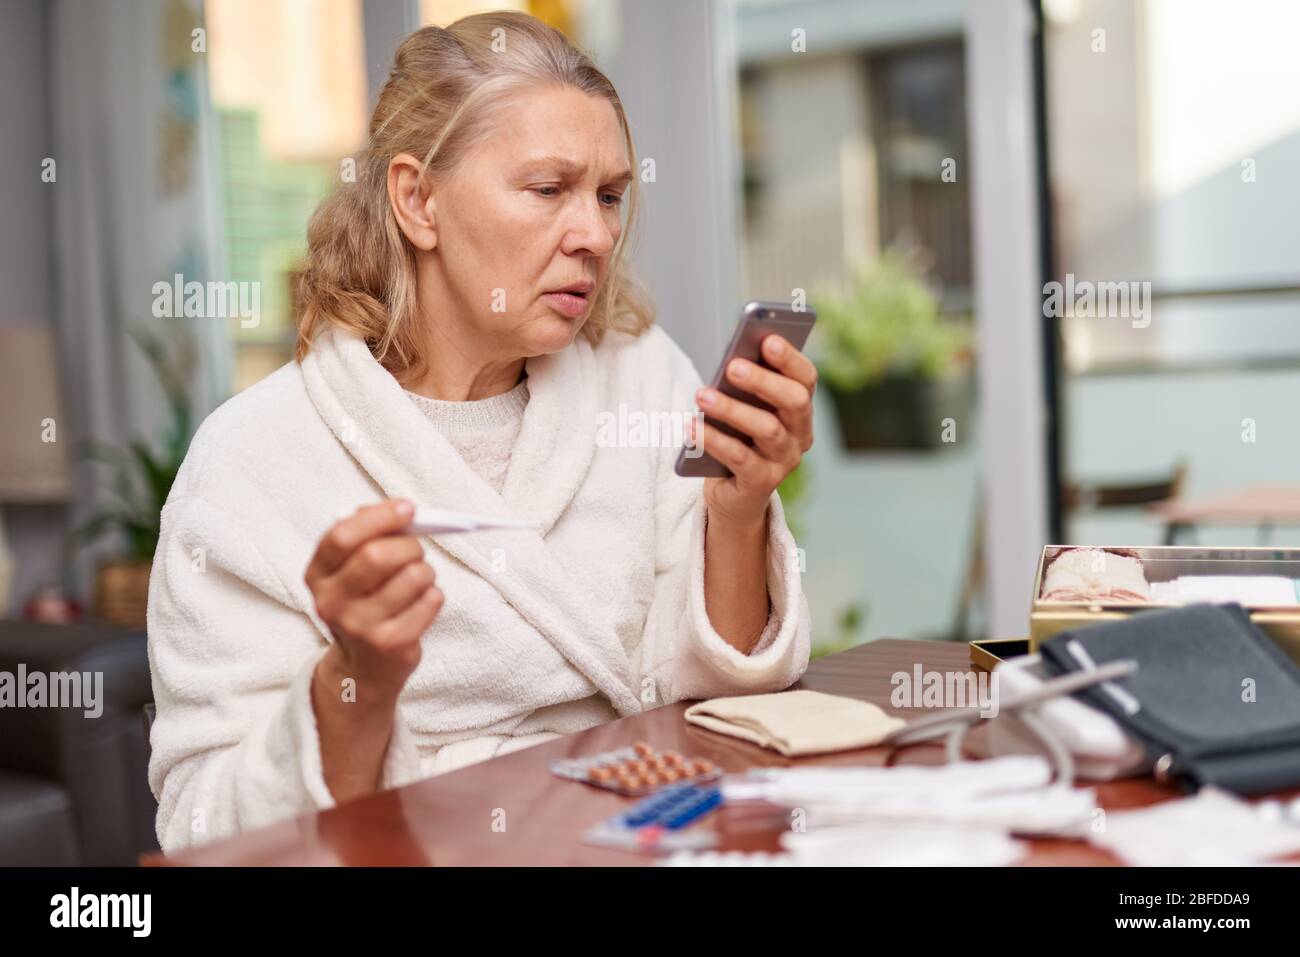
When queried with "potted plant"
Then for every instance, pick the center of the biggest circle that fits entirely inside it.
(142, 477)
(896, 369)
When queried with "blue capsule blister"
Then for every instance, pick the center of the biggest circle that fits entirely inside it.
(661, 822)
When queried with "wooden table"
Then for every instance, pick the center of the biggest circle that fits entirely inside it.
(512, 810)
(1261, 505)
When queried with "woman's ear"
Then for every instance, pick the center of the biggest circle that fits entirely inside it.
(410, 195)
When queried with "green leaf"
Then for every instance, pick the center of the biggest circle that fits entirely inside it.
(793, 490)
(159, 475)
(95, 451)
(101, 522)
(123, 470)
(142, 478)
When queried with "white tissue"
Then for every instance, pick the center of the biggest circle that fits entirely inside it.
(1212, 828)
(1008, 794)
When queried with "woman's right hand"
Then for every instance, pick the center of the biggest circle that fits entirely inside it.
(377, 594)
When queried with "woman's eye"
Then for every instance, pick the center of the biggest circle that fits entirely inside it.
(609, 199)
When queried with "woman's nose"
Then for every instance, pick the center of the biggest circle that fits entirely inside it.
(588, 229)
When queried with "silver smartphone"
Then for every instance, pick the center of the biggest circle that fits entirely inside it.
(758, 320)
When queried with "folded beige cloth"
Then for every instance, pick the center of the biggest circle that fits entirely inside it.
(796, 722)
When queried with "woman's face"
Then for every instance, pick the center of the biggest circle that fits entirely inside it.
(526, 223)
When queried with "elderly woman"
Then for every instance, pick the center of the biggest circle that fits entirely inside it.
(466, 319)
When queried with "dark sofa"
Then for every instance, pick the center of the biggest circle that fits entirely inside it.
(73, 789)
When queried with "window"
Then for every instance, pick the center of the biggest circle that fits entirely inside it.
(1173, 132)
(919, 120)
(842, 147)
(288, 91)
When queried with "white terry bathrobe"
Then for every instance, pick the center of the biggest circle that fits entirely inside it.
(597, 615)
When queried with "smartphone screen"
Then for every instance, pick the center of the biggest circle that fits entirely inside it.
(758, 320)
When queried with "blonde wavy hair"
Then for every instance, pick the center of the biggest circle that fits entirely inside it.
(445, 89)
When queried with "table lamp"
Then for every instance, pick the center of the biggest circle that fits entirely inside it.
(34, 437)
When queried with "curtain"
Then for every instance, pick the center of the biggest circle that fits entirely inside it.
(134, 204)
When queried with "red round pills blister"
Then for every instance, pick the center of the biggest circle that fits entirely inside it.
(636, 770)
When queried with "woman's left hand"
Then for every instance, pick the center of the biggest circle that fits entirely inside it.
(780, 437)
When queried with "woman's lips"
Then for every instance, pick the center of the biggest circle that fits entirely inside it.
(566, 303)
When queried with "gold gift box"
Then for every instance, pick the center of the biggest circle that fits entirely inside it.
(1163, 563)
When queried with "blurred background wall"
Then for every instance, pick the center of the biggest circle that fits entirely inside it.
(880, 157)
(26, 251)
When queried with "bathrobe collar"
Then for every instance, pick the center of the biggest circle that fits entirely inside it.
(407, 457)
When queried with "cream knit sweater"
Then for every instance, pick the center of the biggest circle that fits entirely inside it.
(482, 431)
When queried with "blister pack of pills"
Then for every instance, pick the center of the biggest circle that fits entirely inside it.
(662, 822)
(637, 770)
